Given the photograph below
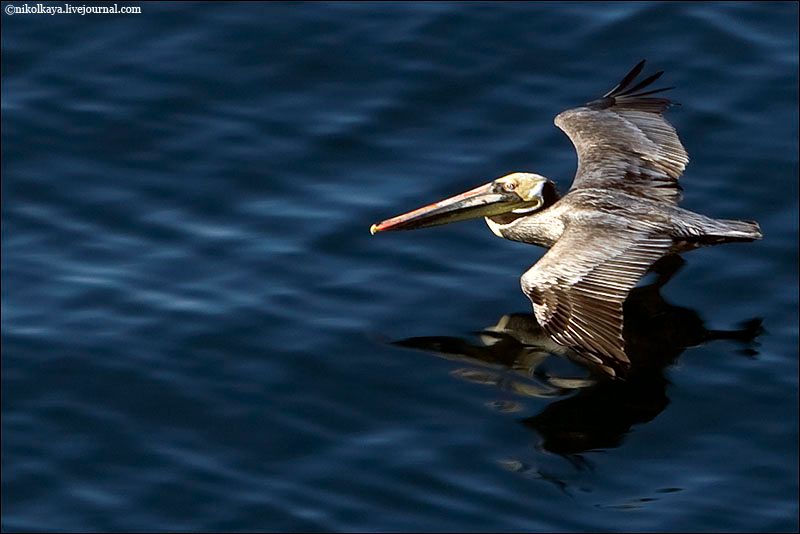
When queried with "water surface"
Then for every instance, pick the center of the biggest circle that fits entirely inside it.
(196, 323)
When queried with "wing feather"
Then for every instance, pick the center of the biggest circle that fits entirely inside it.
(579, 286)
(623, 142)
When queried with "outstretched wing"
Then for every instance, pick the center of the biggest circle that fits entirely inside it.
(579, 286)
(624, 142)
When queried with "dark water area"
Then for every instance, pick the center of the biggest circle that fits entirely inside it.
(199, 332)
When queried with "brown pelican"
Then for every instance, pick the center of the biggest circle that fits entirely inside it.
(619, 217)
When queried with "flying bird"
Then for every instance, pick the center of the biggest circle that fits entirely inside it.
(619, 217)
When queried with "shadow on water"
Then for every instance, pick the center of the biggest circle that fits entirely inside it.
(593, 411)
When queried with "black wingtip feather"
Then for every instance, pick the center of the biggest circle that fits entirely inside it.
(644, 83)
(623, 94)
(634, 72)
(654, 91)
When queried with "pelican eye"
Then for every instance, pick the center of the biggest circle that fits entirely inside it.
(509, 186)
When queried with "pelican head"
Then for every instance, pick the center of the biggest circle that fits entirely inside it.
(517, 194)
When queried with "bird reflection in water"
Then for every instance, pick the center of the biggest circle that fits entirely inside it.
(594, 411)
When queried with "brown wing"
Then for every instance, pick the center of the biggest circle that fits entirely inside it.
(624, 142)
(579, 286)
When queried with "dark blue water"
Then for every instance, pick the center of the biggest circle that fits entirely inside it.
(196, 322)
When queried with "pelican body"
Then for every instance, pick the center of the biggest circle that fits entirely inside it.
(619, 217)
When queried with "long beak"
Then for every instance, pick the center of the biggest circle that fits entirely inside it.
(482, 201)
